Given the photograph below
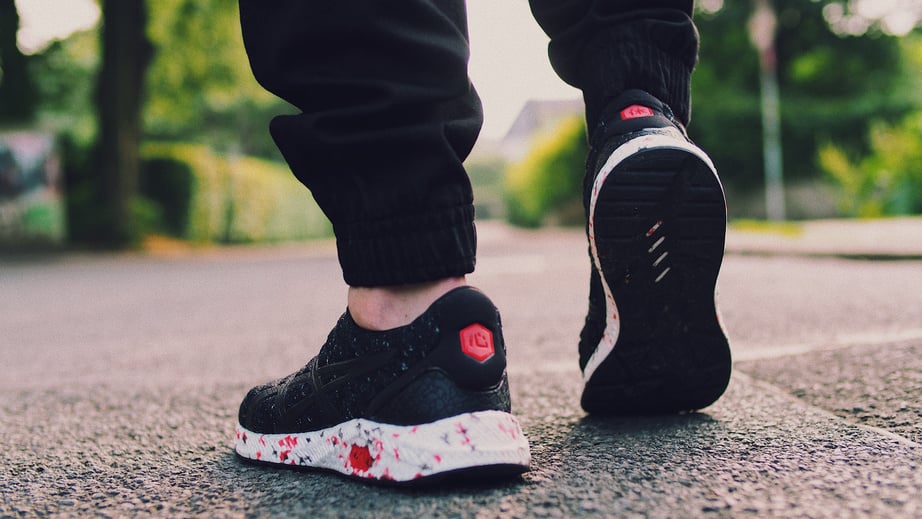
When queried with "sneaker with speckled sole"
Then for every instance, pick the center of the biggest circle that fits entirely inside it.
(653, 341)
(418, 403)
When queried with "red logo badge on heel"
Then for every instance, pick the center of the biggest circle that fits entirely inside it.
(636, 112)
(477, 342)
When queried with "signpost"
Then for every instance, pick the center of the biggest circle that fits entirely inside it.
(762, 29)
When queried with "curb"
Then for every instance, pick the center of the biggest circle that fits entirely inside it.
(892, 239)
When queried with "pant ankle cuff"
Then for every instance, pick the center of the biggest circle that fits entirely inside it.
(618, 61)
(407, 250)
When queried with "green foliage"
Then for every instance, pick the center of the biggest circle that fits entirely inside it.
(200, 87)
(486, 174)
(18, 99)
(548, 182)
(146, 218)
(205, 196)
(169, 181)
(87, 215)
(887, 181)
(199, 90)
(87, 222)
(831, 86)
(910, 85)
(65, 74)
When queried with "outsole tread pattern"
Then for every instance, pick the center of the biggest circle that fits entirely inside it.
(657, 231)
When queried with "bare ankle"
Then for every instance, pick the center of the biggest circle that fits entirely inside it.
(384, 308)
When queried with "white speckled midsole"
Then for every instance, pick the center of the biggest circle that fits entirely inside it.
(366, 449)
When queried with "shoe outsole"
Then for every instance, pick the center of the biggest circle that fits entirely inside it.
(485, 444)
(489, 475)
(657, 230)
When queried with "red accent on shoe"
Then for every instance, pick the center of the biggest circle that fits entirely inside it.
(635, 112)
(360, 458)
(477, 342)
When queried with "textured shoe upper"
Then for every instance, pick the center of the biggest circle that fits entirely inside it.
(456, 346)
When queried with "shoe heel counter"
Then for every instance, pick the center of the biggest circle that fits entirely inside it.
(471, 351)
(434, 395)
(465, 372)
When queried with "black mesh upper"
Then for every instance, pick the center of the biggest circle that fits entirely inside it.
(355, 366)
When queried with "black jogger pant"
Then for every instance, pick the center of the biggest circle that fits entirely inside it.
(388, 113)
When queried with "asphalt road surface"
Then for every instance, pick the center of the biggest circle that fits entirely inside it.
(120, 376)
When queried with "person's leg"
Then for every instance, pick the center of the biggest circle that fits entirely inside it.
(411, 382)
(656, 216)
(605, 47)
(387, 117)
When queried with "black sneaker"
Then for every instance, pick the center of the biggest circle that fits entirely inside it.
(404, 405)
(657, 218)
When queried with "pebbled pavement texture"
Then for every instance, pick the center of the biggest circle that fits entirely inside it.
(874, 385)
(120, 377)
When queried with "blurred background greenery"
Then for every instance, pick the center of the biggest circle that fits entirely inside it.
(851, 113)
(162, 130)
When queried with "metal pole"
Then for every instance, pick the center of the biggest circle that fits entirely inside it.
(762, 28)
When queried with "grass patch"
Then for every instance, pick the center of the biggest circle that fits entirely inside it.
(786, 229)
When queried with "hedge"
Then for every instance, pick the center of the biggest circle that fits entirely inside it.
(546, 186)
(207, 197)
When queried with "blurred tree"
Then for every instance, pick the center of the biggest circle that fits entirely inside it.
(197, 87)
(200, 84)
(64, 75)
(831, 86)
(18, 97)
(126, 53)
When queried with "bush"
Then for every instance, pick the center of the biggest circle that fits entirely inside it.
(169, 182)
(547, 184)
(486, 173)
(888, 181)
(208, 197)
